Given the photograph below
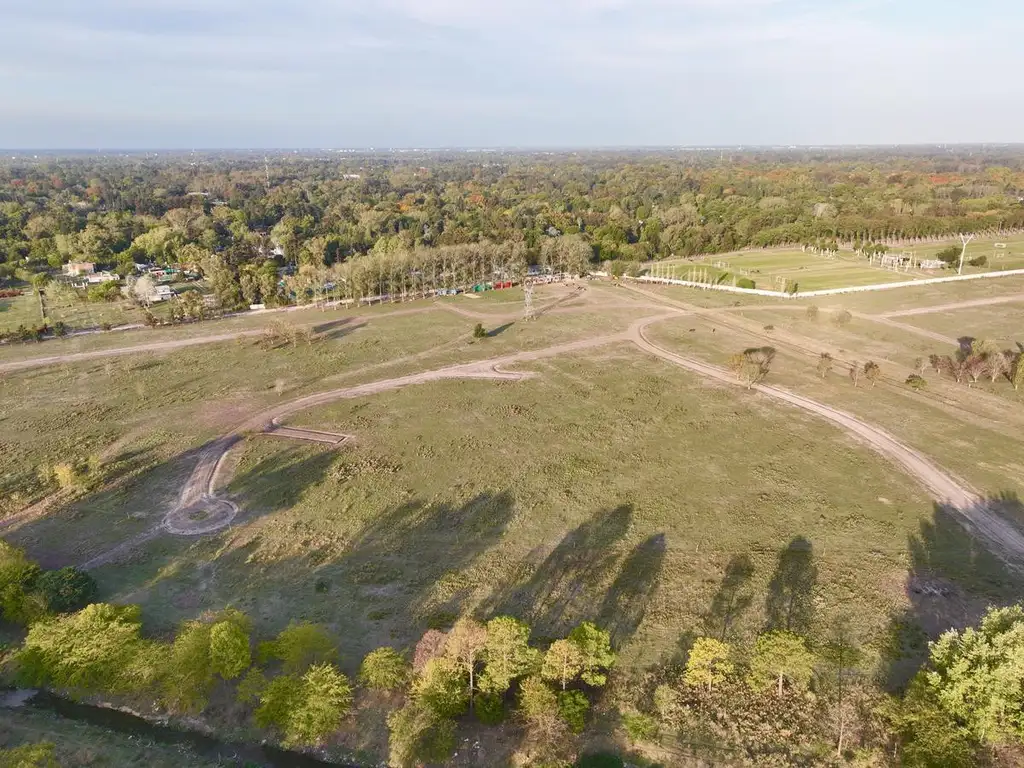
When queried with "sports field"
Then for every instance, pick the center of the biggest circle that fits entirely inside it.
(779, 270)
(20, 310)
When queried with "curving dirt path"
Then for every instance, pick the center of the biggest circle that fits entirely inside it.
(201, 509)
(999, 536)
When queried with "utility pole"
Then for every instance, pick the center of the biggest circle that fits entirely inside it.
(965, 239)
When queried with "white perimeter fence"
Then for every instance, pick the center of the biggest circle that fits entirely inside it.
(827, 291)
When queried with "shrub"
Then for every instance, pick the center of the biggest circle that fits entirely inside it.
(842, 318)
(66, 590)
(812, 312)
(600, 760)
(746, 282)
(479, 332)
(489, 709)
(640, 727)
(978, 261)
(384, 669)
(916, 382)
(572, 708)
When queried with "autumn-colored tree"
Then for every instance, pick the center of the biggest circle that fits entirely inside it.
(709, 663)
(562, 663)
(465, 646)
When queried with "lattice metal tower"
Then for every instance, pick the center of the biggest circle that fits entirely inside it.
(529, 313)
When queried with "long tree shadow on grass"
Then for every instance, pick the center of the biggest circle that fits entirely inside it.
(132, 500)
(563, 589)
(733, 598)
(951, 580)
(789, 604)
(626, 601)
(278, 481)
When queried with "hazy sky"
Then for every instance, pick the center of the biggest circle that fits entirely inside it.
(357, 73)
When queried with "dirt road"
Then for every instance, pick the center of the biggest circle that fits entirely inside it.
(202, 509)
(997, 534)
(952, 307)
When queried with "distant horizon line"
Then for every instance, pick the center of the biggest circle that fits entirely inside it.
(508, 148)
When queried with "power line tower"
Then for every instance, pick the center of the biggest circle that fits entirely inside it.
(965, 239)
(529, 312)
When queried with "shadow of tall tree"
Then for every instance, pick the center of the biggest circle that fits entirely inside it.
(951, 580)
(626, 601)
(278, 481)
(733, 598)
(789, 604)
(565, 588)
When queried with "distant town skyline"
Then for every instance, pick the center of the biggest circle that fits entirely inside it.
(129, 74)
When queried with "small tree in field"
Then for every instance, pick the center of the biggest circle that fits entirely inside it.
(709, 663)
(508, 654)
(855, 373)
(752, 365)
(479, 332)
(781, 657)
(1017, 377)
(872, 372)
(812, 313)
(842, 318)
(916, 382)
(465, 646)
(596, 655)
(825, 363)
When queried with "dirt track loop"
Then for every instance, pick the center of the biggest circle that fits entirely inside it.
(201, 510)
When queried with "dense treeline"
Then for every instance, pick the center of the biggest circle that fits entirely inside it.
(783, 701)
(323, 210)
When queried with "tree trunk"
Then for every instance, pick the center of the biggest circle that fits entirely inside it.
(780, 686)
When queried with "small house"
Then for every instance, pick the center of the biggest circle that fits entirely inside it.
(79, 268)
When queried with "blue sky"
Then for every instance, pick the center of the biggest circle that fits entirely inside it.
(415, 73)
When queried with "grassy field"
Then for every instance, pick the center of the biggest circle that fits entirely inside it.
(20, 310)
(780, 269)
(1003, 323)
(1010, 257)
(628, 516)
(972, 432)
(871, 302)
(610, 486)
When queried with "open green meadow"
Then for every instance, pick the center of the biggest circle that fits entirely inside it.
(1010, 257)
(1002, 323)
(20, 310)
(779, 270)
(608, 485)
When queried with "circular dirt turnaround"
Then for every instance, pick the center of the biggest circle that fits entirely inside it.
(208, 515)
